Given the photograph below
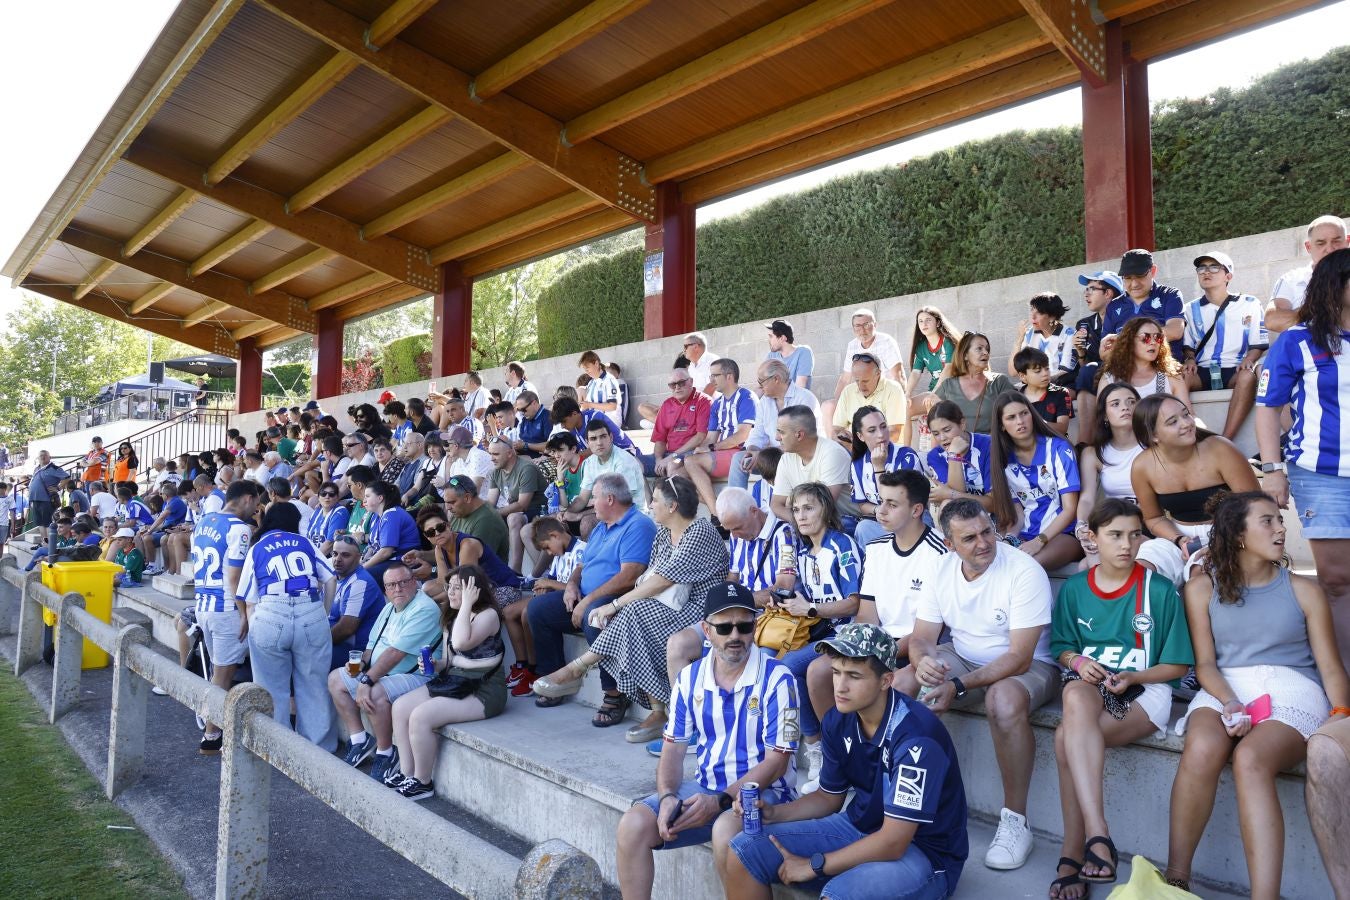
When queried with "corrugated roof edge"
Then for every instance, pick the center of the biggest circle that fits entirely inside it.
(188, 33)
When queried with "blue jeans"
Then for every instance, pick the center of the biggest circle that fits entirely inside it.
(799, 661)
(868, 530)
(735, 477)
(911, 877)
(701, 835)
(289, 647)
(549, 621)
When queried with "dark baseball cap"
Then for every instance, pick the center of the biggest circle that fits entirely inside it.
(781, 328)
(1135, 262)
(859, 640)
(728, 595)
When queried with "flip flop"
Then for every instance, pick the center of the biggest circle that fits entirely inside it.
(1090, 858)
(1067, 881)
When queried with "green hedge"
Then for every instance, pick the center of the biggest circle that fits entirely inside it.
(1270, 156)
(407, 359)
(287, 379)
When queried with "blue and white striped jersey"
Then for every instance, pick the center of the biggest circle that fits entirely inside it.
(605, 389)
(218, 540)
(1314, 382)
(863, 477)
(1242, 328)
(1058, 347)
(283, 564)
(561, 568)
(978, 471)
(1037, 487)
(136, 511)
(759, 571)
(735, 731)
(730, 413)
(324, 524)
(831, 571)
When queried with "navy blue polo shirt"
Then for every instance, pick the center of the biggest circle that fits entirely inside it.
(907, 770)
(535, 430)
(1162, 304)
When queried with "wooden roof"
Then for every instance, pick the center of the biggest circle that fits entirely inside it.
(274, 159)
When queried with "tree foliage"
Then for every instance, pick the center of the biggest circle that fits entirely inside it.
(1238, 162)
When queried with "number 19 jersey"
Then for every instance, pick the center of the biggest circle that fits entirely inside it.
(218, 540)
(283, 564)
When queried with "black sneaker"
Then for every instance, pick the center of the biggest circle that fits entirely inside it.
(210, 746)
(359, 753)
(1188, 688)
(418, 790)
(395, 778)
(383, 764)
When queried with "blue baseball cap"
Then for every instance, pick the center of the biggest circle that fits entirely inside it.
(1106, 276)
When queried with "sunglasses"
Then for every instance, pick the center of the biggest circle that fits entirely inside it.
(725, 628)
(436, 529)
(1151, 337)
(674, 384)
(327, 493)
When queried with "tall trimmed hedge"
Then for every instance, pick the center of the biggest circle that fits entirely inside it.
(407, 359)
(1269, 156)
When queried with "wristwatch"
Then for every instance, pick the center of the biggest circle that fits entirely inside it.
(365, 679)
(1267, 468)
(724, 801)
(818, 865)
(960, 688)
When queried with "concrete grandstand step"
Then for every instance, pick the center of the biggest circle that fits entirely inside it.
(172, 584)
(163, 610)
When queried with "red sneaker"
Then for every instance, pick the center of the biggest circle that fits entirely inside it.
(523, 686)
(515, 673)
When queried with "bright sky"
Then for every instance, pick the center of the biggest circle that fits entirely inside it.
(77, 55)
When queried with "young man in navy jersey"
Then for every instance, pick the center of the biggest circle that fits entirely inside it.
(738, 705)
(903, 835)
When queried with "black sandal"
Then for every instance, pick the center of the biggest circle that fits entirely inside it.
(1090, 858)
(1068, 881)
(612, 712)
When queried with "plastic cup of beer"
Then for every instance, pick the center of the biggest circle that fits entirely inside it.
(353, 663)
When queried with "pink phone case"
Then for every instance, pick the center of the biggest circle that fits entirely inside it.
(1259, 709)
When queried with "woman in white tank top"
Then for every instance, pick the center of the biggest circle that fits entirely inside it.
(1141, 358)
(1105, 464)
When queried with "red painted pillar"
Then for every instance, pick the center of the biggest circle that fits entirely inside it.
(669, 308)
(1117, 156)
(328, 356)
(452, 323)
(248, 378)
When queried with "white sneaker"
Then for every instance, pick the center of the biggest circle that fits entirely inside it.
(812, 759)
(1012, 842)
(158, 691)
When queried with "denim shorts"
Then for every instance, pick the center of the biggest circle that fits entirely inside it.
(911, 877)
(395, 686)
(693, 836)
(1322, 503)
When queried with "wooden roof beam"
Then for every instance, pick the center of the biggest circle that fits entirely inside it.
(275, 336)
(230, 246)
(962, 59)
(163, 219)
(543, 243)
(565, 207)
(368, 157)
(397, 259)
(396, 17)
(1071, 28)
(250, 329)
(769, 40)
(150, 298)
(1033, 77)
(476, 179)
(354, 288)
(206, 338)
(594, 167)
(207, 310)
(1203, 20)
(293, 269)
(542, 50)
(390, 296)
(274, 305)
(95, 278)
(326, 77)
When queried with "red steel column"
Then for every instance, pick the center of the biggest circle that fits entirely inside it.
(1117, 156)
(248, 378)
(328, 356)
(452, 323)
(672, 309)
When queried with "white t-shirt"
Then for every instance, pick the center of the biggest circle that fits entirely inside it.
(895, 580)
(883, 347)
(1014, 592)
(1293, 285)
(103, 504)
(701, 371)
(478, 464)
(475, 400)
(830, 466)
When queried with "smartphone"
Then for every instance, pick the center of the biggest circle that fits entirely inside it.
(674, 817)
(1259, 709)
(1193, 546)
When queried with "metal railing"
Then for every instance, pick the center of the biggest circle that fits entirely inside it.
(254, 745)
(156, 404)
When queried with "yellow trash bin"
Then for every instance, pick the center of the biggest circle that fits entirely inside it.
(95, 581)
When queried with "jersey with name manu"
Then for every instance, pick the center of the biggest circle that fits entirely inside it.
(977, 466)
(219, 540)
(283, 564)
(1037, 487)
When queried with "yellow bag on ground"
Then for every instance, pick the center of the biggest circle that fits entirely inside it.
(1147, 883)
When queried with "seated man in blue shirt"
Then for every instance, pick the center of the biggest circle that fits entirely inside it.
(906, 825)
(150, 537)
(738, 705)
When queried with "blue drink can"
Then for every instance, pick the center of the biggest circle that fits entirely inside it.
(750, 819)
(428, 664)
